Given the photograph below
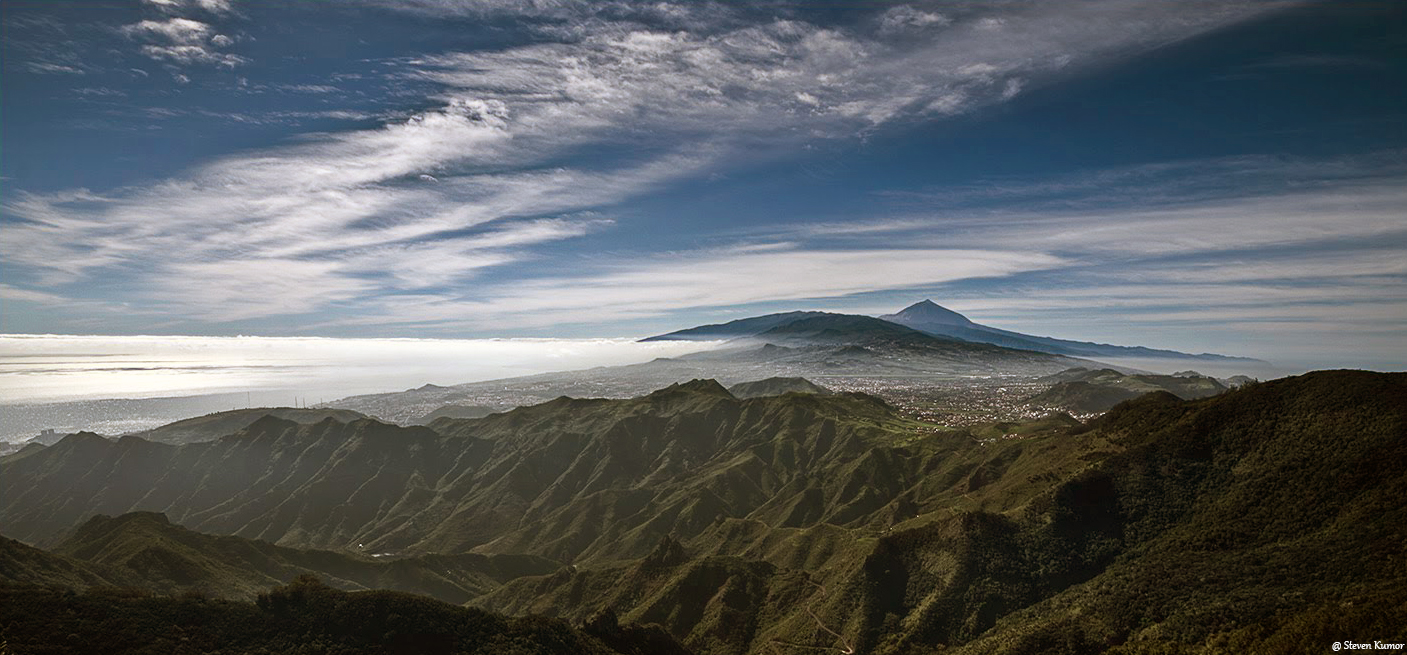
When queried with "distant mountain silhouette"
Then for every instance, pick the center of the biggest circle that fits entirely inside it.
(927, 316)
(743, 327)
(794, 344)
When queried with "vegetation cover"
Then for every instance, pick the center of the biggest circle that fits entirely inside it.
(1269, 518)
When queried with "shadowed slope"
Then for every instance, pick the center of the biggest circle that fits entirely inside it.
(305, 616)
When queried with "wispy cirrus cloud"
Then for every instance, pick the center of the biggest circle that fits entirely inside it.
(46, 46)
(8, 292)
(375, 220)
(796, 80)
(1192, 207)
(50, 68)
(712, 278)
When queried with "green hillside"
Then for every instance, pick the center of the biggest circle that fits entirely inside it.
(1268, 518)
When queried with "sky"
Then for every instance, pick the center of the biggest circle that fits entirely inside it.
(1209, 176)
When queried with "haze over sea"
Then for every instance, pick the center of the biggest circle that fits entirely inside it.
(61, 381)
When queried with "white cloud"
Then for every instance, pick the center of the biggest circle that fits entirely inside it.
(904, 17)
(571, 18)
(183, 41)
(212, 6)
(192, 54)
(181, 31)
(50, 68)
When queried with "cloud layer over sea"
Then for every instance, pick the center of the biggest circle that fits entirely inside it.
(51, 368)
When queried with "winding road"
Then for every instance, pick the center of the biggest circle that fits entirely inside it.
(846, 648)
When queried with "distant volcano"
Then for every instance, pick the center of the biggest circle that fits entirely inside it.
(932, 318)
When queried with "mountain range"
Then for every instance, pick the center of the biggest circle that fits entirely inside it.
(887, 356)
(935, 320)
(1267, 518)
(872, 354)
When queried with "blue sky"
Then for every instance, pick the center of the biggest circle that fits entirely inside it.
(1207, 176)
